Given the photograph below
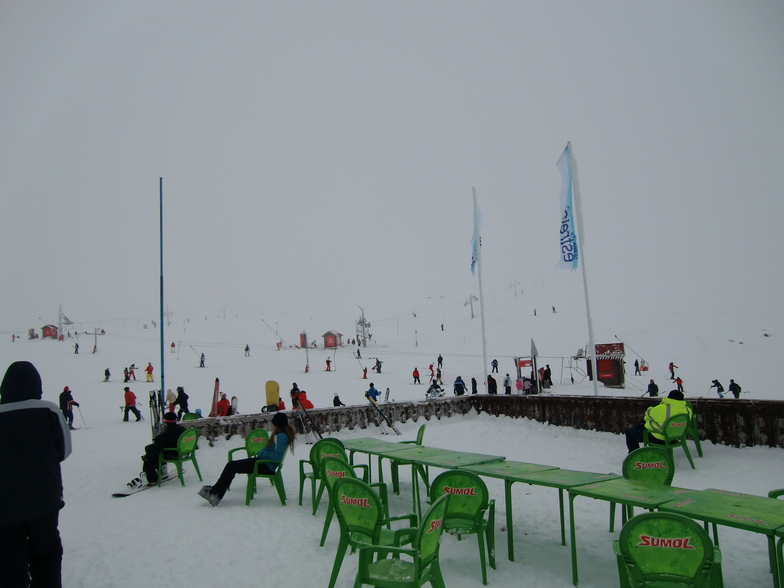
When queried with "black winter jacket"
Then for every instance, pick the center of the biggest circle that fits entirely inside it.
(35, 440)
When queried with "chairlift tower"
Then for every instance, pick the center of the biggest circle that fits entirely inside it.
(362, 328)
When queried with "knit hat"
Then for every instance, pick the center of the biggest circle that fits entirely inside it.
(675, 395)
(280, 420)
(169, 417)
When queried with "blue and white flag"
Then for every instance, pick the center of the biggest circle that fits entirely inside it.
(475, 240)
(567, 236)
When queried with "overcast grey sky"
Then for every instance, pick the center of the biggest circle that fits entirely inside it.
(318, 156)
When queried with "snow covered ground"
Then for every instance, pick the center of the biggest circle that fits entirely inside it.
(170, 536)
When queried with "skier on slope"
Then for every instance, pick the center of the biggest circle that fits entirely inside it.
(66, 402)
(734, 388)
(181, 401)
(434, 391)
(148, 371)
(719, 388)
(130, 405)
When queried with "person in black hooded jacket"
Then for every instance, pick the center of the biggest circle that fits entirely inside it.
(38, 439)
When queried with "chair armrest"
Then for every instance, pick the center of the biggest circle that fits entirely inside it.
(382, 491)
(413, 519)
(716, 555)
(365, 472)
(233, 451)
(776, 493)
(616, 546)
(260, 461)
(367, 548)
(302, 463)
(408, 534)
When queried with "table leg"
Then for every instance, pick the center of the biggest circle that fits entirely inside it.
(572, 538)
(561, 506)
(509, 521)
(774, 564)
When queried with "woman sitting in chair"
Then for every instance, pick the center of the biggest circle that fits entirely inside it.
(282, 438)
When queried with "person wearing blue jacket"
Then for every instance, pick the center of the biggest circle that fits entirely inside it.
(372, 392)
(282, 438)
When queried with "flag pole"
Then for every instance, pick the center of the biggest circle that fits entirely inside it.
(478, 254)
(163, 377)
(578, 217)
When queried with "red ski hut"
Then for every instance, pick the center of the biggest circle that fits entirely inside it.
(609, 364)
(49, 332)
(333, 339)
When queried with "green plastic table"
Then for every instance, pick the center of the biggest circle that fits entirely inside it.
(418, 456)
(372, 446)
(757, 514)
(623, 491)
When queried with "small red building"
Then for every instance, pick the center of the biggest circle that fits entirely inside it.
(333, 339)
(49, 332)
(609, 364)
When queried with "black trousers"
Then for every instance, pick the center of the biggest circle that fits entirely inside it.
(31, 554)
(634, 437)
(134, 410)
(232, 468)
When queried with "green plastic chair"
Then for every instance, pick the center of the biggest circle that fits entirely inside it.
(652, 464)
(394, 466)
(334, 469)
(674, 431)
(190, 416)
(275, 479)
(424, 553)
(659, 549)
(470, 511)
(694, 431)
(185, 451)
(255, 441)
(360, 514)
(321, 449)
(779, 551)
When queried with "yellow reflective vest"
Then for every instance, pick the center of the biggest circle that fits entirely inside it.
(656, 416)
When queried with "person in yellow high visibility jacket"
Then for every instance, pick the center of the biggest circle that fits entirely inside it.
(654, 420)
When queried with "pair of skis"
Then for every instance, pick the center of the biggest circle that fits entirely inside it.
(305, 419)
(381, 412)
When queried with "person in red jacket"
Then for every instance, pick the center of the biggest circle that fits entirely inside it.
(416, 376)
(130, 405)
(300, 400)
(223, 405)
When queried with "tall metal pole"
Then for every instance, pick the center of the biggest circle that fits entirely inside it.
(163, 377)
(578, 217)
(481, 298)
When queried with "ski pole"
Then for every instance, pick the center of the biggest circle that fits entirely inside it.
(82, 417)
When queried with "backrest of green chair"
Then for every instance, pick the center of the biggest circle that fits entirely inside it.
(256, 440)
(649, 464)
(191, 416)
(358, 508)
(187, 442)
(334, 469)
(665, 546)
(420, 435)
(430, 530)
(676, 427)
(469, 494)
(324, 448)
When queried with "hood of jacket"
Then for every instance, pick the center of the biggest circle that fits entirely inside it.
(21, 382)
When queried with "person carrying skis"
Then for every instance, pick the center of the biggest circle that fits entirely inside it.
(372, 392)
(507, 384)
(223, 405)
(147, 370)
(167, 439)
(459, 386)
(719, 388)
(336, 400)
(181, 401)
(283, 437)
(66, 402)
(734, 388)
(36, 440)
(653, 389)
(130, 405)
(416, 376)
